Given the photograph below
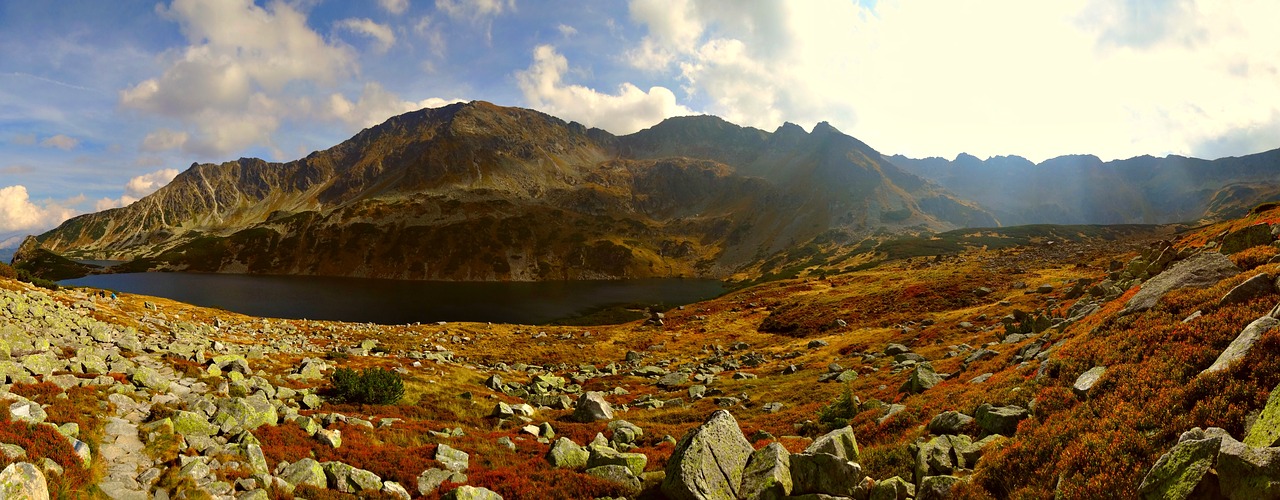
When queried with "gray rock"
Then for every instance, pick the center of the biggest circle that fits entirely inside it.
(1201, 271)
(824, 473)
(673, 380)
(708, 461)
(1252, 288)
(1087, 380)
(348, 479)
(1178, 473)
(22, 480)
(567, 454)
(452, 458)
(603, 455)
(894, 488)
(1248, 472)
(768, 474)
(1001, 420)
(922, 378)
(617, 474)
(937, 487)
(1243, 343)
(431, 479)
(392, 488)
(331, 437)
(306, 471)
(949, 422)
(896, 349)
(471, 493)
(592, 407)
(840, 443)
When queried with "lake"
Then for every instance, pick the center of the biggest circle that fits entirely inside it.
(403, 302)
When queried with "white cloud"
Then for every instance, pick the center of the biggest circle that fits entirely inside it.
(164, 139)
(375, 106)
(380, 33)
(474, 9)
(629, 110)
(566, 30)
(137, 188)
(19, 213)
(428, 30)
(394, 6)
(937, 77)
(60, 141)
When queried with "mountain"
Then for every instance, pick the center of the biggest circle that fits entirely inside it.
(1082, 189)
(474, 191)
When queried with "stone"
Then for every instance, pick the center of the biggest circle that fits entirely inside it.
(149, 378)
(502, 410)
(567, 454)
(1252, 288)
(1001, 420)
(306, 471)
(246, 413)
(1243, 343)
(1087, 380)
(331, 437)
(592, 407)
(937, 487)
(192, 424)
(922, 378)
(768, 474)
(1249, 237)
(471, 493)
(1247, 472)
(393, 489)
(673, 380)
(839, 443)
(824, 473)
(601, 456)
(452, 458)
(708, 461)
(896, 349)
(1180, 471)
(894, 488)
(348, 479)
(949, 422)
(23, 480)
(1265, 432)
(617, 474)
(257, 460)
(27, 411)
(431, 479)
(1200, 271)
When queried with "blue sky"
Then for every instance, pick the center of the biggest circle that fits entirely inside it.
(101, 103)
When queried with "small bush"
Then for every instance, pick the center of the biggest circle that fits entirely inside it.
(839, 412)
(371, 386)
(7, 272)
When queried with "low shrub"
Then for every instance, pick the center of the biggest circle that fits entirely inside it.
(374, 386)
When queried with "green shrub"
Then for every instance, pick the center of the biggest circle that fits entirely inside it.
(371, 386)
(839, 412)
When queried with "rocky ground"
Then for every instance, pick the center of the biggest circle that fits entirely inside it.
(1020, 373)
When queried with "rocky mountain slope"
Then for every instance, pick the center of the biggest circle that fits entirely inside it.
(1123, 367)
(481, 192)
(1083, 189)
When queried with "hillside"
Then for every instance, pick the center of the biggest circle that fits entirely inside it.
(480, 192)
(1056, 367)
(1083, 189)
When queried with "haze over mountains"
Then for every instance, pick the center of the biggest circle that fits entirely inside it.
(475, 191)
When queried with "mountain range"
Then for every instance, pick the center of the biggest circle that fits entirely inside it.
(474, 191)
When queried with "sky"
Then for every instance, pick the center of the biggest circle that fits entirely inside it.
(101, 103)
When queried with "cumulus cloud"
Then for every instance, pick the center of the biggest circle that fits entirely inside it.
(474, 9)
(137, 188)
(629, 110)
(566, 30)
(60, 141)
(394, 6)
(380, 33)
(164, 139)
(937, 77)
(19, 213)
(374, 106)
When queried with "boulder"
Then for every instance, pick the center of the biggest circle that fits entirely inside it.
(839, 443)
(245, 413)
(431, 479)
(1252, 288)
(1001, 420)
(391, 489)
(452, 458)
(673, 380)
(617, 474)
(937, 487)
(471, 493)
(1249, 237)
(602, 455)
(1265, 432)
(1243, 343)
(1200, 271)
(22, 480)
(708, 461)
(922, 379)
(149, 378)
(192, 424)
(949, 422)
(1248, 472)
(306, 471)
(1087, 380)
(894, 488)
(824, 473)
(1180, 471)
(330, 437)
(348, 479)
(567, 454)
(592, 407)
(767, 475)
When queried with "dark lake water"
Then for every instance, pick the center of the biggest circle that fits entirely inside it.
(401, 302)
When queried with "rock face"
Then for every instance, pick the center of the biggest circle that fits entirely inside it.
(1178, 473)
(708, 461)
(22, 480)
(1199, 271)
(1249, 237)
